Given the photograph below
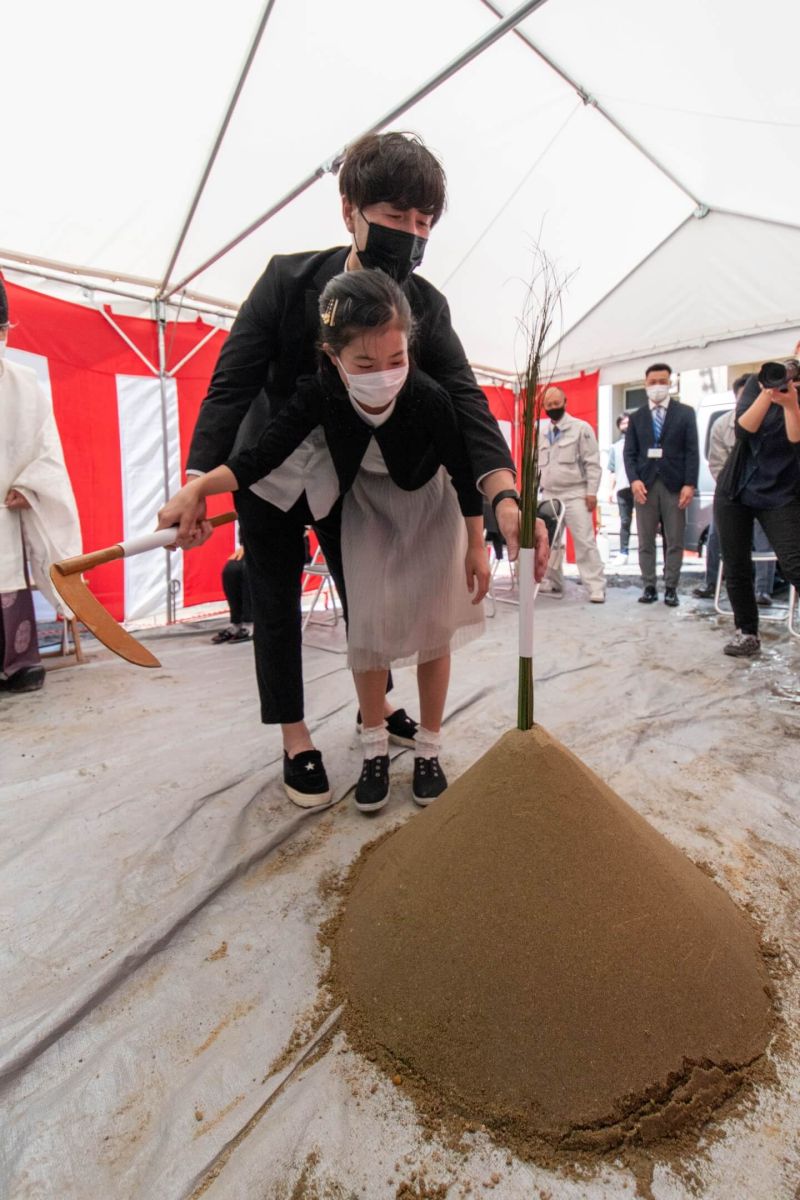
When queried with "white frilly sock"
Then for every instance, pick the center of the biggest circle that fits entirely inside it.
(374, 741)
(426, 743)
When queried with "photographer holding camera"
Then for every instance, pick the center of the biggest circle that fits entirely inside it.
(760, 481)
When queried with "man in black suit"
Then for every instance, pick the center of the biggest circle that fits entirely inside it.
(662, 461)
(393, 193)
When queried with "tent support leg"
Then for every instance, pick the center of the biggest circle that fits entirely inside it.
(163, 376)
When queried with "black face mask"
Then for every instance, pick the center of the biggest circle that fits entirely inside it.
(555, 414)
(392, 250)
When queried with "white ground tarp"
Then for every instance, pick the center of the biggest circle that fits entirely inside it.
(596, 127)
(161, 900)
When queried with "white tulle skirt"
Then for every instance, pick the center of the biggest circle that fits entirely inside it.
(403, 558)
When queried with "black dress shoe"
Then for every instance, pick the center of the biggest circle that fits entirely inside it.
(671, 597)
(763, 600)
(28, 679)
(706, 592)
(648, 596)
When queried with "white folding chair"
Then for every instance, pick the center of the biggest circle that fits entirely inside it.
(555, 510)
(784, 614)
(318, 569)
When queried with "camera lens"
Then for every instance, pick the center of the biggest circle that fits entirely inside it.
(773, 376)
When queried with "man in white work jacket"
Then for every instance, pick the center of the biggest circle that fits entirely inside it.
(569, 462)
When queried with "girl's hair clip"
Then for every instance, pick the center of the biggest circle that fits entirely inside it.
(329, 315)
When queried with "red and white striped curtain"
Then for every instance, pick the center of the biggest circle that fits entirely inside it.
(108, 407)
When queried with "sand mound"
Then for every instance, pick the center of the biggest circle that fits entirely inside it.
(537, 957)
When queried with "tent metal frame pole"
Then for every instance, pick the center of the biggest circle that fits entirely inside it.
(332, 164)
(85, 285)
(30, 264)
(161, 319)
(215, 149)
(592, 102)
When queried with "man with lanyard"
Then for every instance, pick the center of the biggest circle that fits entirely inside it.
(662, 461)
(393, 193)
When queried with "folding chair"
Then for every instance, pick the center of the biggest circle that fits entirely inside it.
(318, 569)
(553, 514)
(784, 615)
(70, 633)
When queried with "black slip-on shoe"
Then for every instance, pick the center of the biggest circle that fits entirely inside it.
(706, 592)
(429, 781)
(401, 728)
(372, 789)
(28, 679)
(305, 779)
(763, 600)
(648, 596)
(671, 597)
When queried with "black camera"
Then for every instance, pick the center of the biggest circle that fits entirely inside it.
(774, 377)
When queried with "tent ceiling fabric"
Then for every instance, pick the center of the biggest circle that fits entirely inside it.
(114, 116)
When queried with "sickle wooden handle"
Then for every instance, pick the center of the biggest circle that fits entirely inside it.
(137, 545)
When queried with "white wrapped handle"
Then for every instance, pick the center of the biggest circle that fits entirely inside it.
(148, 541)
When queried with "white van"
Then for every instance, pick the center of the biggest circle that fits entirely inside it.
(698, 516)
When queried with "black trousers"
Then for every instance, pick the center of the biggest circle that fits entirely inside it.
(734, 522)
(275, 553)
(625, 506)
(236, 586)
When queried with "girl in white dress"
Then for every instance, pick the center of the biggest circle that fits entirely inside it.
(415, 571)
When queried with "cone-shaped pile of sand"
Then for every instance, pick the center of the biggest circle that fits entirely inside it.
(540, 959)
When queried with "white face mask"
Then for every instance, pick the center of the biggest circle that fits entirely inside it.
(3, 344)
(375, 389)
(658, 393)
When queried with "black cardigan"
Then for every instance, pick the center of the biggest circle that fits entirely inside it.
(273, 343)
(421, 435)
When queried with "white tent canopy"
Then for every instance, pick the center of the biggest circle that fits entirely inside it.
(598, 129)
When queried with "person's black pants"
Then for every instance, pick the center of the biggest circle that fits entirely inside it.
(236, 586)
(734, 522)
(275, 555)
(625, 506)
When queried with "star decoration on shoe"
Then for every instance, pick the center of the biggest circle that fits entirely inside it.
(309, 766)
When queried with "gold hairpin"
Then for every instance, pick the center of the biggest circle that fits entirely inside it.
(329, 315)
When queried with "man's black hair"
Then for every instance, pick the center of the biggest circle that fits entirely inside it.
(658, 367)
(394, 168)
(739, 383)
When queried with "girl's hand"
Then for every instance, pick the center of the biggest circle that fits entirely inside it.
(187, 510)
(479, 575)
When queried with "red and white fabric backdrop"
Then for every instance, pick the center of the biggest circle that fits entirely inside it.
(582, 396)
(107, 405)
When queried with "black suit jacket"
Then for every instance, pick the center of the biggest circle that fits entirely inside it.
(421, 435)
(272, 344)
(680, 464)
